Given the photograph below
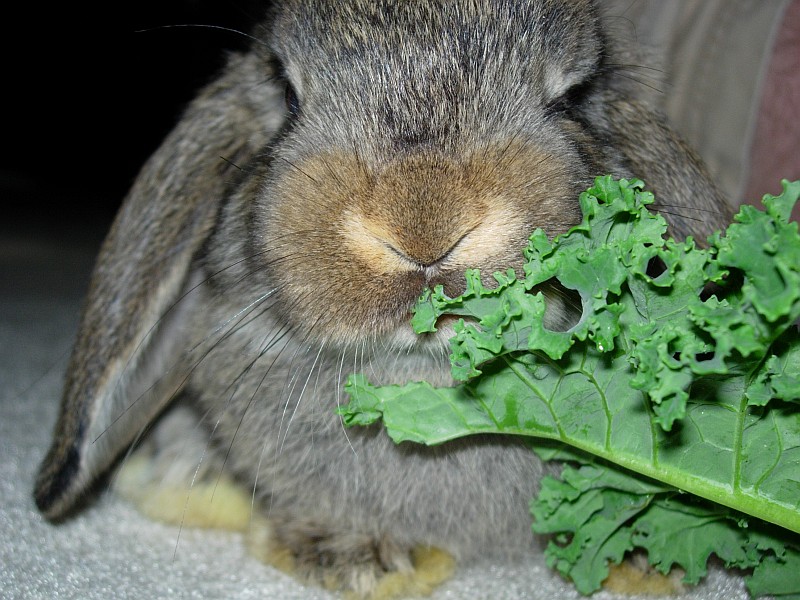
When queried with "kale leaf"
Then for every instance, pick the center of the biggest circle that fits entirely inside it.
(676, 394)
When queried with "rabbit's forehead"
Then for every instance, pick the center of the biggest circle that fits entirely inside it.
(344, 41)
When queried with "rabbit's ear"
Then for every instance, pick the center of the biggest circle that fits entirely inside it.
(119, 378)
(685, 193)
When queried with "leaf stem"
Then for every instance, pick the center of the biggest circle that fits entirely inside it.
(780, 514)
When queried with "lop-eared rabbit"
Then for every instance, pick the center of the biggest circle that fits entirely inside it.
(359, 152)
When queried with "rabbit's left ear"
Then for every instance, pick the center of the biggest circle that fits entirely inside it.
(685, 193)
(132, 328)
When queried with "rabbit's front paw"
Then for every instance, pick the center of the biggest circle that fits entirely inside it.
(357, 564)
(207, 503)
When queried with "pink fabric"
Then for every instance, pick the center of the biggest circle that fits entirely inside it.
(775, 151)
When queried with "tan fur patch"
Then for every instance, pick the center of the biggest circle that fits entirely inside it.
(358, 243)
(430, 567)
(207, 504)
(632, 578)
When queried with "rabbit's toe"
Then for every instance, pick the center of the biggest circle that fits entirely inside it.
(358, 564)
(635, 576)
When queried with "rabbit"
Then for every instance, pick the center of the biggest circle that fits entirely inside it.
(356, 153)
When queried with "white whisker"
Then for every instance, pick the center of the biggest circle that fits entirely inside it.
(300, 396)
(339, 387)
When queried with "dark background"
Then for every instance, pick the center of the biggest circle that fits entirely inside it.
(89, 94)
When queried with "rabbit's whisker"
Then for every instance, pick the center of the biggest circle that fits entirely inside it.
(162, 318)
(651, 77)
(276, 338)
(634, 67)
(298, 169)
(660, 205)
(679, 214)
(183, 355)
(642, 82)
(267, 439)
(192, 482)
(299, 398)
(292, 373)
(339, 388)
(205, 26)
(334, 175)
(233, 164)
(269, 343)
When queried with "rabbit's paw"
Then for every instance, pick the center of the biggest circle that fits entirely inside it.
(166, 481)
(357, 564)
(635, 576)
(216, 504)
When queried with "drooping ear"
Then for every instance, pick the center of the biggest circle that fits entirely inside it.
(686, 194)
(628, 112)
(118, 378)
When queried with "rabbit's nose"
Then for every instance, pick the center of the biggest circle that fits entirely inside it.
(426, 257)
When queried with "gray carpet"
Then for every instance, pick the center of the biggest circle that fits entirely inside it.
(108, 550)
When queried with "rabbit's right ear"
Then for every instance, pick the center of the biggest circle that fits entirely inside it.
(116, 381)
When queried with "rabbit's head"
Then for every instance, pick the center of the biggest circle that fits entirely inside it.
(422, 138)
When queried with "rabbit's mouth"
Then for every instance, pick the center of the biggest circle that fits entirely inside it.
(436, 342)
(403, 356)
(563, 309)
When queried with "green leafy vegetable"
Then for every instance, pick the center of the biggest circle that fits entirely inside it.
(686, 391)
(599, 513)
